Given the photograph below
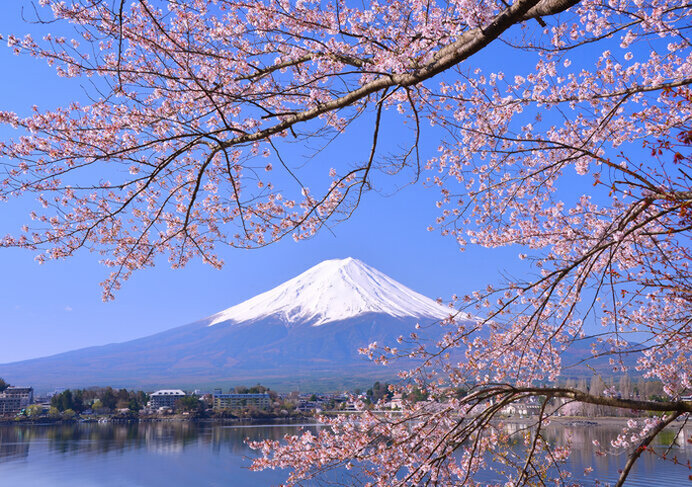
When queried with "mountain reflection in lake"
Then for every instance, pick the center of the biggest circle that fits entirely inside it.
(175, 454)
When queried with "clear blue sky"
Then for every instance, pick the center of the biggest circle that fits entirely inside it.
(55, 307)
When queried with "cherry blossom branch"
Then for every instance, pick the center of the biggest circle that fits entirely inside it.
(643, 444)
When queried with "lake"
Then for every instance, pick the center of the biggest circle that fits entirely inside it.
(176, 454)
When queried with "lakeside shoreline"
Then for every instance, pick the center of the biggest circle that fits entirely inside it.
(566, 421)
(132, 420)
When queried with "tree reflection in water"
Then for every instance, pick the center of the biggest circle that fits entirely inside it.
(218, 452)
(649, 470)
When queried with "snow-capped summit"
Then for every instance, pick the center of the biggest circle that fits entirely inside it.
(329, 312)
(334, 290)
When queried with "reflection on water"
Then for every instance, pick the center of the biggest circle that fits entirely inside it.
(650, 469)
(153, 454)
(13, 444)
(176, 454)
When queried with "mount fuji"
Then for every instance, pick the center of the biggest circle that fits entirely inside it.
(333, 290)
(304, 333)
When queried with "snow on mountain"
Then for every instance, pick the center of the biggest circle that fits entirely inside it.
(361, 303)
(334, 290)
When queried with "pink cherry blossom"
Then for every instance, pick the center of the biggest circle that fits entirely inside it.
(581, 158)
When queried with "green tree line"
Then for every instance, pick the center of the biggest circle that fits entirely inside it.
(79, 400)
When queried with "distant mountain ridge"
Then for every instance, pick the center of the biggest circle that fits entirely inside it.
(305, 331)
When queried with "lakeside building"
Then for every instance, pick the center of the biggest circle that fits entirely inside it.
(165, 398)
(10, 405)
(14, 399)
(25, 394)
(396, 402)
(241, 401)
(521, 409)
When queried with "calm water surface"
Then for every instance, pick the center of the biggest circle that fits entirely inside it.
(185, 454)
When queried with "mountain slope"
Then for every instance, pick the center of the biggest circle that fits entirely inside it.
(308, 328)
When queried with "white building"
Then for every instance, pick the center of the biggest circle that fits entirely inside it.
(397, 402)
(521, 409)
(165, 398)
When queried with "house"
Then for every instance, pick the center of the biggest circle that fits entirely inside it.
(521, 409)
(397, 402)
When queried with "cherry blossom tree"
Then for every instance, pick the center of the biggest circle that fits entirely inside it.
(580, 159)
